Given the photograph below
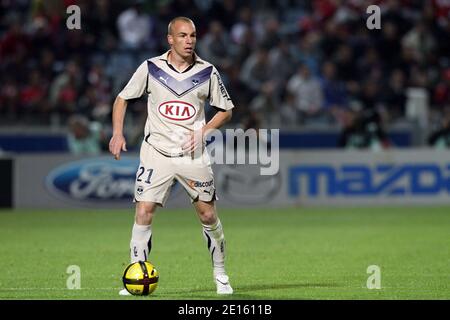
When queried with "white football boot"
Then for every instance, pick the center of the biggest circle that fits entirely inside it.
(124, 292)
(223, 284)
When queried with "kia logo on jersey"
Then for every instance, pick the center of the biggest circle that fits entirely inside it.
(177, 110)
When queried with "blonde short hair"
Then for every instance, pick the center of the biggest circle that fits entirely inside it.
(184, 19)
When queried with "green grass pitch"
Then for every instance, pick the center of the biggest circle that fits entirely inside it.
(295, 253)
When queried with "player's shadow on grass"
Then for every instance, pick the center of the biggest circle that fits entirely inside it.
(242, 292)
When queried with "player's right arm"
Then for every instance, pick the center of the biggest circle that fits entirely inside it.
(134, 89)
(117, 142)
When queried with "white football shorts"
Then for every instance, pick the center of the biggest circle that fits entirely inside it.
(157, 173)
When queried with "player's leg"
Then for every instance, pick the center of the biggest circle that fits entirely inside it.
(141, 235)
(153, 181)
(215, 239)
(197, 179)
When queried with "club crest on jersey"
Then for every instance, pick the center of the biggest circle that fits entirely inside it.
(177, 110)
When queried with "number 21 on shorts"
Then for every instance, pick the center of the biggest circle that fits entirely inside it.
(141, 172)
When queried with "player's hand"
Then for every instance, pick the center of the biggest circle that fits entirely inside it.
(193, 141)
(116, 145)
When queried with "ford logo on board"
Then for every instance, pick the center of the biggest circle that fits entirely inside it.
(177, 110)
(96, 179)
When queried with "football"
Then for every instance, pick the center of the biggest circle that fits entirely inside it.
(140, 278)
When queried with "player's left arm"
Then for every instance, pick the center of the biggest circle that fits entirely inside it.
(221, 101)
(219, 119)
(216, 122)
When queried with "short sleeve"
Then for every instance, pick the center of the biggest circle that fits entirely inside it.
(136, 87)
(218, 95)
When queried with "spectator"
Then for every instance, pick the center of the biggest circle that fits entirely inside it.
(306, 52)
(100, 84)
(9, 100)
(240, 93)
(246, 48)
(345, 65)
(14, 42)
(255, 71)
(134, 27)
(306, 93)
(394, 95)
(370, 64)
(32, 97)
(441, 94)
(66, 101)
(388, 43)
(330, 40)
(266, 104)
(334, 91)
(225, 11)
(216, 47)
(46, 65)
(101, 21)
(242, 26)
(370, 95)
(440, 138)
(65, 88)
(281, 59)
(84, 137)
(362, 129)
(288, 111)
(420, 41)
(269, 34)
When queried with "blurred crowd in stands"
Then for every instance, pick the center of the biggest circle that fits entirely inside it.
(285, 63)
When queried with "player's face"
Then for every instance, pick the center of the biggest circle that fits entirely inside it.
(183, 38)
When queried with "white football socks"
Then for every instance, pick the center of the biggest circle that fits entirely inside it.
(215, 239)
(141, 242)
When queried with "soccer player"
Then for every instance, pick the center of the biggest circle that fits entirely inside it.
(178, 84)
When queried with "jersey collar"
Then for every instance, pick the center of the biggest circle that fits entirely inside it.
(164, 57)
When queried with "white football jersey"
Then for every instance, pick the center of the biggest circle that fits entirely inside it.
(176, 100)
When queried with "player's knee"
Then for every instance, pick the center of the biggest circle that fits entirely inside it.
(145, 212)
(208, 217)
